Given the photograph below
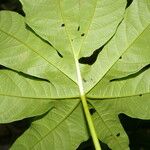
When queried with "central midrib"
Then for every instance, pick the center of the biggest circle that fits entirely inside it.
(82, 94)
(78, 73)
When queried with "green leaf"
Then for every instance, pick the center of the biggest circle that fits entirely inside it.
(59, 129)
(32, 55)
(48, 71)
(95, 18)
(107, 121)
(126, 56)
(21, 97)
(126, 44)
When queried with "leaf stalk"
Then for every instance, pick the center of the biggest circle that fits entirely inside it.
(90, 123)
(86, 109)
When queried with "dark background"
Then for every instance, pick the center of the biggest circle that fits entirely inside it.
(137, 130)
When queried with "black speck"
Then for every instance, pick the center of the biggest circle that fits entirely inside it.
(78, 28)
(118, 134)
(140, 94)
(63, 25)
(92, 111)
(120, 57)
(82, 34)
(84, 80)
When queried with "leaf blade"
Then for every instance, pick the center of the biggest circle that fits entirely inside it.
(55, 134)
(119, 44)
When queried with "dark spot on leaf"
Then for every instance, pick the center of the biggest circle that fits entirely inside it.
(92, 111)
(118, 134)
(130, 76)
(120, 57)
(84, 80)
(71, 39)
(91, 59)
(140, 94)
(129, 2)
(62, 25)
(82, 34)
(78, 28)
(59, 54)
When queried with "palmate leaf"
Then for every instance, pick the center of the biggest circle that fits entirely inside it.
(42, 51)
